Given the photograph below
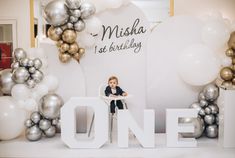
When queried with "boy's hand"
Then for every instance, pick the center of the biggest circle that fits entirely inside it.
(124, 94)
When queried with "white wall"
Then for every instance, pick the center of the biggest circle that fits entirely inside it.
(19, 10)
(199, 7)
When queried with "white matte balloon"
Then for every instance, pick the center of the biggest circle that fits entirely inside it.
(93, 25)
(11, 119)
(41, 89)
(51, 82)
(30, 105)
(85, 40)
(113, 3)
(20, 92)
(198, 65)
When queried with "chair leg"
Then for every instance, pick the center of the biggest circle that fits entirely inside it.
(111, 129)
(91, 125)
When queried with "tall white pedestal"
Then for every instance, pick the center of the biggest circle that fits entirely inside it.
(226, 103)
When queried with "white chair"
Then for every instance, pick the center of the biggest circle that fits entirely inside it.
(108, 100)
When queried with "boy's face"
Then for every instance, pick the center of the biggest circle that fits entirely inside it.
(113, 83)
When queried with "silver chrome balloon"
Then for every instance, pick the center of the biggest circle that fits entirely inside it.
(198, 125)
(79, 25)
(73, 19)
(201, 96)
(33, 133)
(87, 10)
(202, 112)
(30, 63)
(217, 119)
(37, 76)
(58, 126)
(50, 132)
(208, 110)
(15, 65)
(214, 109)
(44, 124)
(211, 92)
(50, 105)
(32, 70)
(6, 82)
(73, 4)
(75, 13)
(28, 123)
(196, 105)
(20, 75)
(58, 31)
(56, 13)
(209, 119)
(69, 25)
(19, 54)
(54, 122)
(203, 103)
(35, 117)
(212, 131)
(24, 62)
(37, 63)
(30, 83)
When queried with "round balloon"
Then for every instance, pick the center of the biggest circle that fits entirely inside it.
(198, 65)
(11, 119)
(6, 82)
(20, 92)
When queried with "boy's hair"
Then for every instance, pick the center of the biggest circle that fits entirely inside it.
(113, 78)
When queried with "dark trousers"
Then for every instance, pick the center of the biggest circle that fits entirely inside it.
(118, 104)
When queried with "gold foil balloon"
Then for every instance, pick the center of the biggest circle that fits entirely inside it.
(77, 56)
(81, 51)
(73, 48)
(69, 36)
(231, 42)
(59, 43)
(64, 57)
(226, 74)
(233, 81)
(64, 47)
(233, 67)
(52, 34)
(229, 53)
(233, 61)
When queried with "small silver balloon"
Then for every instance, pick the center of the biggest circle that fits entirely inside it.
(212, 131)
(24, 62)
(50, 105)
(44, 124)
(79, 25)
(203, 103)
(30, 63)
(73, 19)
(32, 70)
(87, 10)
(209, 119)
(28, 123)
(75, 13)
(208, 110)
(37, 76)
(20, 75)
(54, 122)
(19, 54)
(202, 112)
(217, 119)
(58, 126)
(15, 65)
(6, 82)
(73, 4)
(69, 25)
(211, 92)
(35, 117)
(196, 105)
(201, 96)
(198, 127)
(58, 30)
(50, 132)
(30, 83)
(56, 13)
(37, 63)
(214, 109)
(33, 133)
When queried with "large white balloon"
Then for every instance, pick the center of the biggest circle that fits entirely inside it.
(20, 92)
(198, 65)
(93, 25)
(11, 119)
(51, 82)
(85, 40)
(114, 3)
(165, 87)
(42, 89)
(215, 33)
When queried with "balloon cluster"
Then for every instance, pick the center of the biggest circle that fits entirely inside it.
(227, 73)
(208, 111)
(67, 18)
(46, 121)
(25, 70)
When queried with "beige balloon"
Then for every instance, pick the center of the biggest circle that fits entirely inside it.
(81, 51)
(226, 74)
(231, 42)
(69, 36)
(64, 57)
(52, 34)
(73, 48)
(64, 47)
(229, 53)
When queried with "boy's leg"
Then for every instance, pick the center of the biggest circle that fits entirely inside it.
(119, 104)
(112, 107)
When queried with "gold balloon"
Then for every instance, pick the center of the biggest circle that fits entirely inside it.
(229, 53)
(231, 42)
(64, 47)
(81, 51)
(233, 68)
(73, 48)
(77, 56)
(64, 57)
(52, 34)
(59, 43)
(226, 74)
(69, 36)
(233, 61)
(233, 81)
(227, 83)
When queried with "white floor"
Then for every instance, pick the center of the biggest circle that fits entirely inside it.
(54, 147)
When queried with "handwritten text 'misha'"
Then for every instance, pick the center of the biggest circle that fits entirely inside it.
(124, 38)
